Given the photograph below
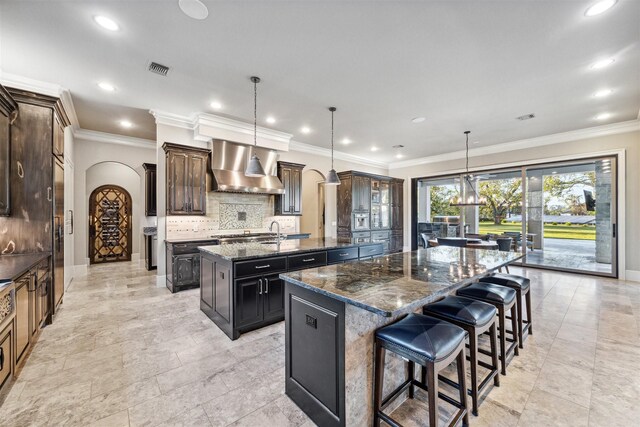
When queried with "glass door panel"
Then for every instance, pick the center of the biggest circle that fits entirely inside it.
(571, 216)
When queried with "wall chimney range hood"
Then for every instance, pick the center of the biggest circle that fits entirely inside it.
(228, 163)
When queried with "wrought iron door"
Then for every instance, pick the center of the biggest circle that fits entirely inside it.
(109, 225)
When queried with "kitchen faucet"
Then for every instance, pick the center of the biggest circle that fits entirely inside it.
(277, 231)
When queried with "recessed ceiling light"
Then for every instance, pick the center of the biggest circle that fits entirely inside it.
(216, 105)
(476, 142)
(107, 86)
(194, 9)
(106, 23)
(602, 63)
(418, 119)
(305, 129)
(374, 148)
(603, 116)
(602, 93)
(346, 141)
(126, 123)
(399, 156)
(271, 120)
(600, 7)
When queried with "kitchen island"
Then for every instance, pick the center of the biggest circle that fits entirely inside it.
(331, 314)
(240, 287)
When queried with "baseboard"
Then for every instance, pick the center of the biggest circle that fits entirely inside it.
(135, 256)
(79, 270)
(161, 281)
(632, 275)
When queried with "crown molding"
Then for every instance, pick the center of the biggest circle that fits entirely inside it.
(175, 120)
(111, 138)
(44, 88)
(326, 152)
(557, 138)
(217, 127)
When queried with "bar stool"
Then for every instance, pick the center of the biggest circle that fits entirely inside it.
(503, 299)
(433, 344)
(475, 317)
(521, 285)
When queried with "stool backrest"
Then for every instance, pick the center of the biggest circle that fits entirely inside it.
(504, 244)
(459, 243)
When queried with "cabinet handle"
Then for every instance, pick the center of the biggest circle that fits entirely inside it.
(260, 286)
(308, 259)
(1, 358)
(266, 286)
(260, 267)
(344, 254)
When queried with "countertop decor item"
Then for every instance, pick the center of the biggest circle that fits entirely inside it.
(474, 198)
(332, 176)
(254, 168)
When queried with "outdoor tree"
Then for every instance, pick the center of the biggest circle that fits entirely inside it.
(440, 197)
(502, 196)
(566, 188)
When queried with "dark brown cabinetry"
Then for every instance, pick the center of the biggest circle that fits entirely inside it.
(289, 203)
(183, 264)
(8, 114)
(58, 137)
(370, 209)
(25, 307)
(150, 192)
(7, 365)
(186, 179)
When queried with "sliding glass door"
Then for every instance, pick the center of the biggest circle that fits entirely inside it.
(561, 215)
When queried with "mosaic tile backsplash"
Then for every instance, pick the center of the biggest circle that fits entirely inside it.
(231, 213)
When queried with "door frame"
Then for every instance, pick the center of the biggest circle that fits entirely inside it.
(620, 185)
(90, 245)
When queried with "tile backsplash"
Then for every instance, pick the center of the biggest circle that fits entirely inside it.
(231, 213)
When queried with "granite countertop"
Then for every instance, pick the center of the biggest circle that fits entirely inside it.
(241, 251)
(12, 266)
(150, 231)
(190, 240)
(397, 283)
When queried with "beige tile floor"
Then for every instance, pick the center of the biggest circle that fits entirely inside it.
(125, 352)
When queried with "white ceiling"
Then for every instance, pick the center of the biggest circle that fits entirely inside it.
(463, 65)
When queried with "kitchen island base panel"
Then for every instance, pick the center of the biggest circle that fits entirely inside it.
(330, 334)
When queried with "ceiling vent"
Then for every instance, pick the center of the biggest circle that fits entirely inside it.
(526, 117)
(398, 146)
(154, 67)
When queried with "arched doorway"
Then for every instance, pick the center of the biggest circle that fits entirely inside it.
(313, 213)
(109, 225)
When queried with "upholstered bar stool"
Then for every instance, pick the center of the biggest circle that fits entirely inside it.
(521, 285)
(431, 343)
(503, 299)
(475, 317)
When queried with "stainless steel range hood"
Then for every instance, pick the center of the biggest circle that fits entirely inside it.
(228, 162)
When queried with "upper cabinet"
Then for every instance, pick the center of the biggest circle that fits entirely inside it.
(58, 137)
(150, 193)
(397, 186)
(186, 179)
(290, 203)
(8, 114)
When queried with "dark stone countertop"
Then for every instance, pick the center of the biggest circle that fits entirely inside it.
(243, 251)
(150, 231)
(12, 266)
(397, 283)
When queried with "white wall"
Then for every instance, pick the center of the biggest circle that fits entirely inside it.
(629, 142)
(69, 243)
(90, 153)
(309, 220)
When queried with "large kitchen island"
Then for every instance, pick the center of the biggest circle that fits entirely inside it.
(240, 287)
(332, 312)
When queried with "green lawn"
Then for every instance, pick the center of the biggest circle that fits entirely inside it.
(577, 232)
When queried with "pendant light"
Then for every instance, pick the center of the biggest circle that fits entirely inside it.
(473, 199)
(332, 176)
(254, 168)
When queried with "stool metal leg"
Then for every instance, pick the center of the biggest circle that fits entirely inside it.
(493, 334)
(514, 327)
(411, 373)
(520, 321)
(378, 381)
(473, 356)
(503, 341)
(462, 379)
(528, 301)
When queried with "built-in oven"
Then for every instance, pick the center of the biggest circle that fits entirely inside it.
(360, 221)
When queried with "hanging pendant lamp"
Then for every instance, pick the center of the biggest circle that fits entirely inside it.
(332, 176)
(254, 168)
(474, 198)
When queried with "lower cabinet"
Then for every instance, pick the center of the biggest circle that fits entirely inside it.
(186, 270)
(259, 300)
(25, 310)
(7, 365)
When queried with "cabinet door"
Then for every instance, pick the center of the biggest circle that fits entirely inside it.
(287, 200)
(150, 192)
(197, 184)
(6, 355)
(23, 330)
(249, 306)
(58, 138)
(365, 192)
(45, 299)
(296, 191)
(207, 279)
(177, 197)
(273, 297)
(184, 269)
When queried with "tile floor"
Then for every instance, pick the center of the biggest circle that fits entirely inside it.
(125, 352)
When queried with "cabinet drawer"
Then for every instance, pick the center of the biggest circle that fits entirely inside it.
(339, 255)
(6, 355)
(372, 250)
(379, 235)
(191, 247)
(260, 266)
(302, 261)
